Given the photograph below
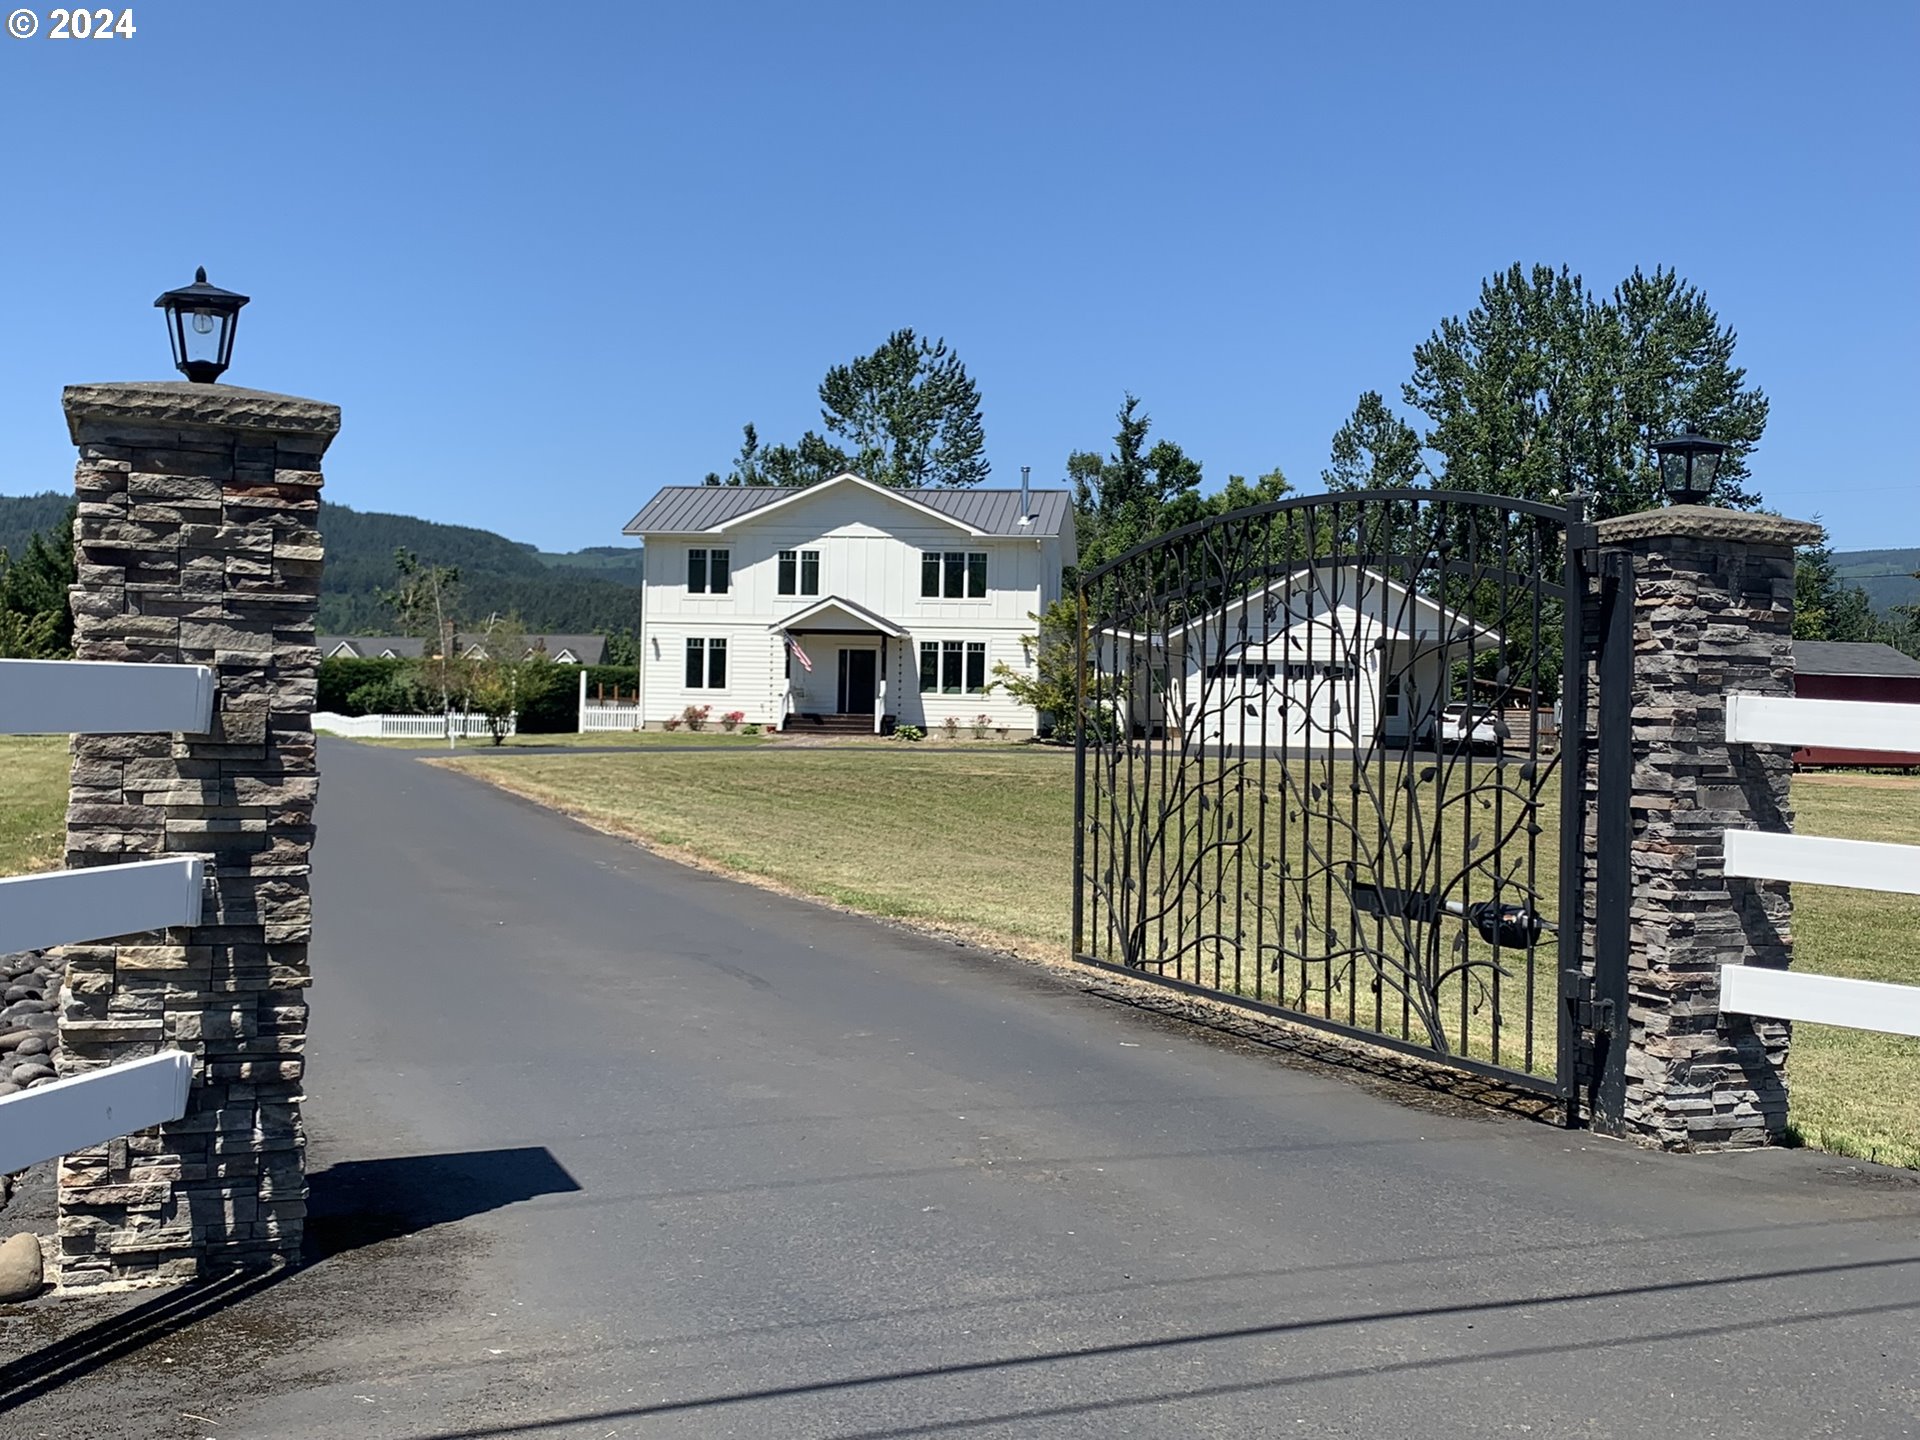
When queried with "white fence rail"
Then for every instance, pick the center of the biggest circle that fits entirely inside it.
(39, 697)
(594, 716)
(1822, 860)
(407, 727)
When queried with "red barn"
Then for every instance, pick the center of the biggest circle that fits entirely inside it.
(1842, 670)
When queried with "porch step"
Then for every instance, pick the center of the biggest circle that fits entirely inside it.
(826, 724)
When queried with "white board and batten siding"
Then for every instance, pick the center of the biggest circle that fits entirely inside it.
(870, 551)
(1822, 860)
(39, 697)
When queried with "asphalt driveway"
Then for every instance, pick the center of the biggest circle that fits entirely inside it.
(603, 1147)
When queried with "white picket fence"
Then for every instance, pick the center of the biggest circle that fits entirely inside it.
(407, 727)
(42, 697)
(1821, 860)
(608, 717)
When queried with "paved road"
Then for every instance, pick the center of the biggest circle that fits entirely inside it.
(612, 1148)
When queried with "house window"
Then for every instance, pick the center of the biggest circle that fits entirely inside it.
(951, 658)
(953, 575)
(1390, 699)
(706, 664)
(976, 667)
(929, 666)
(953, 667)
(709, 572)
(799, 572)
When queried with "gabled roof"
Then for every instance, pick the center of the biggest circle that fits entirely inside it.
(1847, 657)
(712, 509)
(832, 606)
(1445, 620)
(587, 649)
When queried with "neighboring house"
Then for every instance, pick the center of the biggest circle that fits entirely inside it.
(845, 605)
(564, 649)
(1843, 670)
(1333, 657)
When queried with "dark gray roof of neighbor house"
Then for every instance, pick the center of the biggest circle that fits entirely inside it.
(590, 648)
(1850, 657)
(371, 647)
(691, 509)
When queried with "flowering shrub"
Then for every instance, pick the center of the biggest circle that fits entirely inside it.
(981, 724)
(952, 726)
(732, 718)
(696, 716)
(672, 722)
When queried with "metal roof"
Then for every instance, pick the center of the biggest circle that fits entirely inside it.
(694, 509)
(1850, 657)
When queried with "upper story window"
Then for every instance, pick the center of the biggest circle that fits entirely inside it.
(709, 572)
(799, 572)
(953, 574)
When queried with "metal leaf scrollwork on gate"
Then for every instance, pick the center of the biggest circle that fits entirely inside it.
(1320, 766)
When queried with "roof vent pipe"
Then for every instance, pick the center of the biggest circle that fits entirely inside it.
(1026, 495)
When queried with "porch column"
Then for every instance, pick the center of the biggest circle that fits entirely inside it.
(1712, 613)
(880, 687)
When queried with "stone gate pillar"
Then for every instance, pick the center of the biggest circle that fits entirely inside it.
(1712, 613)
(197, 543)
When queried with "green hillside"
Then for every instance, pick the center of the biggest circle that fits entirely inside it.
(590, 590)
(1886, 575)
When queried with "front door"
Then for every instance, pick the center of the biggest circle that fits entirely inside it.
(859, 671)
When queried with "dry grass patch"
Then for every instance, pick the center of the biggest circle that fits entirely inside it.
(1857, 1092)
(33, 802)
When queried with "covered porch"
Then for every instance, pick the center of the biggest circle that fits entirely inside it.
(840, 660)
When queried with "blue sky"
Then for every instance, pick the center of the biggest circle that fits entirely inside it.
(550, 257)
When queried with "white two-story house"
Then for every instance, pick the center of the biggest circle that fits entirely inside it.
(845, 605)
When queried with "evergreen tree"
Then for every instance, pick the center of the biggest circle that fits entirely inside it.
(1374, 450)
(1542, 388)
(909, 412)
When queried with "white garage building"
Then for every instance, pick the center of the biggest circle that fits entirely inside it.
(1332, 658)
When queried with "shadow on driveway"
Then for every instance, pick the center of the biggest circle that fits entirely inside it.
(350, 1205)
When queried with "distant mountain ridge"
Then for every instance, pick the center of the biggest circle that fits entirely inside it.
(1886, 575)
(592, 590)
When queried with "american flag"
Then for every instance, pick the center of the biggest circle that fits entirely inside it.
(799, 654)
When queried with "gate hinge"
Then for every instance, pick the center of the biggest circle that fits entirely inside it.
(1587, 1011)
(1584, 537)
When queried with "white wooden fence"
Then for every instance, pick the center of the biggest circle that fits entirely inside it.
(39, 697)
(1820, 860)
(606, 715)
(598, 716)
(408, 727)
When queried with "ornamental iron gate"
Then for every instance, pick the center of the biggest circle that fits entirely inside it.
(1332, 762)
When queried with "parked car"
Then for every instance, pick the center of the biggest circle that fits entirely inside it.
(1465, 727)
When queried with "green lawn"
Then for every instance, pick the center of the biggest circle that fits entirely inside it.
(599, 739)
(33, 802)
(1856, 1091)
(980, 843)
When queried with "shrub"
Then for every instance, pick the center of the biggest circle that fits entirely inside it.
(696, 716)
(982, 724)
(732, 719)
(749, 729)
(672, 722)
(952, 726)
(908, 732)
(345, 676)
(1002, 731)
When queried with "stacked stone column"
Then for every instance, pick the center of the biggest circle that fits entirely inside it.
(198, 543)
(1713, 614)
